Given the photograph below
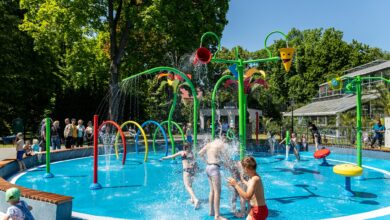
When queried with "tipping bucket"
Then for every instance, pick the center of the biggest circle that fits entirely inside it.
(286, 54)
(202, 55)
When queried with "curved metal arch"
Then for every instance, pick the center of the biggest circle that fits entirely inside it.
(219, 82)
(159, 126)
(116, 139)
(143, 134)
(165, 122)
(185, 77)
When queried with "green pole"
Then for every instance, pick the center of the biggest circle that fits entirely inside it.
(245, 115)
(48, 174)
(241, 110)
(185, 77)
(195, 126)
(170, 123)
(156, 131)
(358, 84)
(223, 78)
(287, 137)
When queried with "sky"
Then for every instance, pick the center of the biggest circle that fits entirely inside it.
(367, 21)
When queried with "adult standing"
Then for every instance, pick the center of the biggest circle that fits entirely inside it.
(80, 133)
(316, 134)
(89, 133)
(74, 132)
(189, 133)
(55, 135)
(42, 132)
(379, 130)
(214, 153)
(68, 134)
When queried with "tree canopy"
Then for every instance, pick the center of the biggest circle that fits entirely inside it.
(58, 55)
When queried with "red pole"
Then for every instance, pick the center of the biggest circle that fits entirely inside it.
(95, 185)
(257, 128)
(95, 148)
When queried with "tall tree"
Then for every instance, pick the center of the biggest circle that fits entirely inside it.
(134, 34)
(27, 78)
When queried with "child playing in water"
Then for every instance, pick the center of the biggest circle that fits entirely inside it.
(189, 166)
(235, 169)
(305, 145)
(19, 209)
(212, 154)
(293, 145)
(20, 151)
(254, 192)
(35, 148)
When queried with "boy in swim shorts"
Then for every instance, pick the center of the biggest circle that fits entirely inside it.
(254, 192)
(213, 152)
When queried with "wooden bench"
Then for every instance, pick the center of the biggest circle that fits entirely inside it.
(35, 194)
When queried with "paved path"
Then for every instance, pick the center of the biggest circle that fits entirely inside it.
(6, 153)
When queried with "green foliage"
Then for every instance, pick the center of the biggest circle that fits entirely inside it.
(384, 98)
(319, 55)
(27, 79)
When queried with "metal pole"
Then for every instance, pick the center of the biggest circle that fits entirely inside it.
(257, 128)
(292, 118)
(213, 97)
(170, 124)
(358, 84)
(241, 109)
(48, 174)
(95, 184)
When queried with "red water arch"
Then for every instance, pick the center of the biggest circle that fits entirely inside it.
(122, 136)
(95, 185)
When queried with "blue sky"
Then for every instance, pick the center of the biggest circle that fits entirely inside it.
(367, 21)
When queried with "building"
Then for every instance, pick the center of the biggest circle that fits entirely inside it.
(328, 105)
(229, 114)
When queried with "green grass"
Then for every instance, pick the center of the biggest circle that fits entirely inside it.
(7, 146)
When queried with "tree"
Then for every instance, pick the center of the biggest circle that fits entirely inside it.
(133, 35)
(27, 79)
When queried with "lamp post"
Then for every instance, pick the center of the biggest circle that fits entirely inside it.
(204, 56)
(292, 114)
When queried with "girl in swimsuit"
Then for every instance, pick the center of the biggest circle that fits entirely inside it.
(189, 166)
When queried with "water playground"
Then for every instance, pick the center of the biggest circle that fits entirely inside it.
(122, 176)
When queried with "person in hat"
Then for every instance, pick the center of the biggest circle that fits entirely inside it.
(20, 151)
(19, 210)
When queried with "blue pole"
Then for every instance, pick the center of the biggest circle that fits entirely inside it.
(159, 127)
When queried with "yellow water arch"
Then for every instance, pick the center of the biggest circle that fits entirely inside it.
(143, 134)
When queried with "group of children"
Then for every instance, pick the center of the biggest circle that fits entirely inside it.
(245, 183)
(24, 147)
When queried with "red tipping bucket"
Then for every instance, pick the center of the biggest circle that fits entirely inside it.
(202, 55)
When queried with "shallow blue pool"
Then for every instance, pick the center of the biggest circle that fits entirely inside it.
(154, 190)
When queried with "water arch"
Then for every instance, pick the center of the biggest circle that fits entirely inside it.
(185, 77)
(120, 132)
(159, 126)
(165, 122)
(143, 134)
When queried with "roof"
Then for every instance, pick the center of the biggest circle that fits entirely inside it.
(365, 69)
(330, 107)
